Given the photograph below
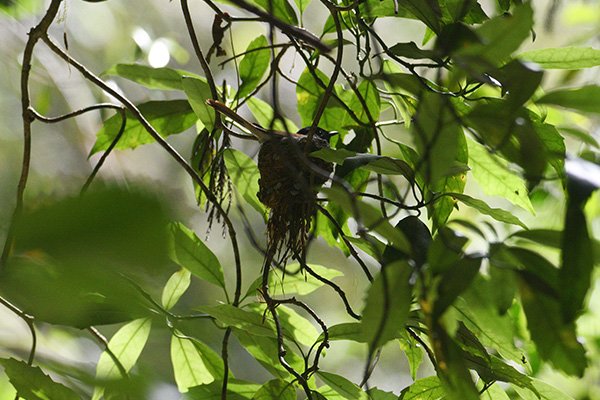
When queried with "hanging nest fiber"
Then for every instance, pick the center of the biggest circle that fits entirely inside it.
(289, 182)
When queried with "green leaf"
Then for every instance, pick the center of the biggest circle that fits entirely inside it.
(77, 255)
(302, 4)
(475, 308)
(429, 388)
(247, 321)
(167, 117)
(153, 78)
(343, 386)
(445, 250)
(378, 394)
(411, 50)
(236, 390)
(295, 326)
(254, 65)
(337, 156)
(563, 57)
(502, 35)
(492, 174)
(127, 345)
(188, 251)
(458, 10)
(496, 213)
(264, 114)
(276, 389)
(188, 365)
(519, 81)
(244, 174)
(309, 94)
(586, 99)
(301, 283)
(32, 384)
(436, 134)
(387, 304)
(544, 392)
(441, 209)
(176, 286)
(493, 392)
(21, 8)
(555, 341)
(370, 95)
(427, 11)
(370, 217)
(385, 8)
(280, 9)
(402, 82)
(577, 257)
(455, 375)
(346, 331)
(197, 92)
(453, 282)
(413, 352)
(266, 351)
(554, 145)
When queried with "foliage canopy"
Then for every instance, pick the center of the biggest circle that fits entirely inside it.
(446, 149)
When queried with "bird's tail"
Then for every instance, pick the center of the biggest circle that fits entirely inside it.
(255, 130)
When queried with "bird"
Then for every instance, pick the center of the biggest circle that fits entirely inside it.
(289, 179)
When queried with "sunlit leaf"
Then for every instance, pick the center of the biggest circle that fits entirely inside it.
(563, 57)
(188, 251)
(127, 345)
(275, 389)
(236, 390)
(153, 78)
(343, 386)
(167, 117)
(248, 321)
(413, 352)
(254, 65)
(294, 325)
(309, 94)
(544, 392)
(280, 9)
(496, 213)
(264, 114)
(198, 91)
(429, 388)
(176, 286)
(494, 177)
(188, 364)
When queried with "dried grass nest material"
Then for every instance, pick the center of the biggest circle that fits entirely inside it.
(288, 185)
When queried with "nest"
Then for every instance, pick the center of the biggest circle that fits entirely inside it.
(289, 182)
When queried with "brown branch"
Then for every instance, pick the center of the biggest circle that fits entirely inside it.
(299, 33)
(35, 34)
